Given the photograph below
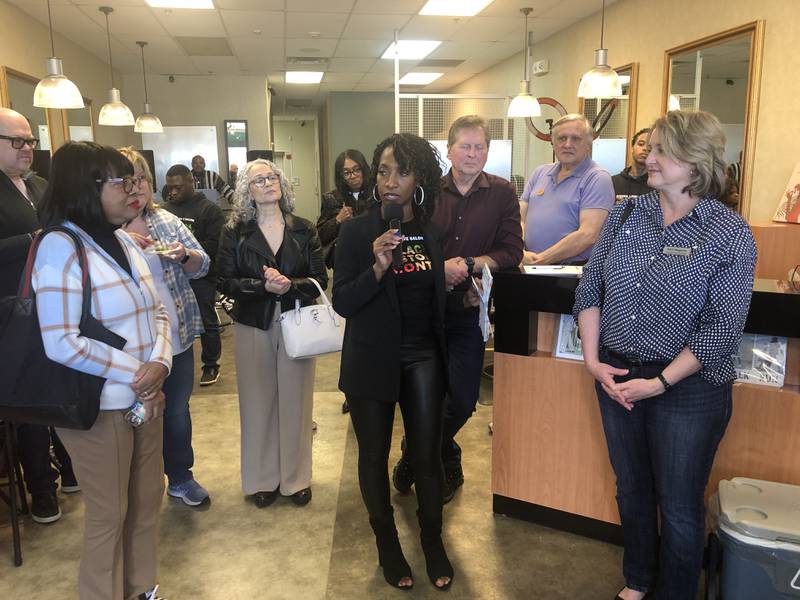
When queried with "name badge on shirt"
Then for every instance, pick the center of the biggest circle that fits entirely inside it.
(676, 251)
(540, 192)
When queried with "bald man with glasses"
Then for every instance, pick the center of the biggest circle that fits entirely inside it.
(20, 193)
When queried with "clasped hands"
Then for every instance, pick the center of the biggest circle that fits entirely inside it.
(625, 393)
(147, 384)
(275, 282)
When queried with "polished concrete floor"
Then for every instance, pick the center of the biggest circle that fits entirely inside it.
(232, 550)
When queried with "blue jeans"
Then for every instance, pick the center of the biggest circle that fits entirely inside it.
(662, 452)
(178, 453)
(465, 347)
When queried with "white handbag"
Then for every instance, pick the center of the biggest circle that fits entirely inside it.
(314, 330)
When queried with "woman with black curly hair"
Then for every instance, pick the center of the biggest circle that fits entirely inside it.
(394, 342)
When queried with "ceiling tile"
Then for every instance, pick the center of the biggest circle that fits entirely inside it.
(361, 48)
(358, 65)
(374, 27)
(460, 50)
(261, 64)
(311, 48)
(335, 87)
(387, 67)
(243, 22)
(340, 6)
(125, 19)
(510, 8)
(396, 7)
(431, 28)
(328, 25)
(490, 29)
(378, 78)
(218, 65)
(172, 65)
(69, 21)
(250, 4)
(371, 87)
(190, 22)
(342, 77)
(156, 44)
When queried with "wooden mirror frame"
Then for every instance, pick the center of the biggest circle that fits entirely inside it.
(65, 120)
(633, 91)
(5, 100)
(756, 31)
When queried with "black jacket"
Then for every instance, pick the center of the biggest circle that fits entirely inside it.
(243, 252)
(18, 220)
(626, 184)
(373, 331)
(328, 228)
(204, 219)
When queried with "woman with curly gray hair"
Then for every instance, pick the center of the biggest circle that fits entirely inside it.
(267, 258)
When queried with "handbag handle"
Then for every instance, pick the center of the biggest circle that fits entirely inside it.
(25, 291)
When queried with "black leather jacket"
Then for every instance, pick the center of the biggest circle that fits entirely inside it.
(243, 252)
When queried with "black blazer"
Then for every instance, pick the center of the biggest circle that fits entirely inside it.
(371, 349)
(243, 251)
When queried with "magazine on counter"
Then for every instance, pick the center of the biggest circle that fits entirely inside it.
(761, 359)
(568, 344)
(788, 210)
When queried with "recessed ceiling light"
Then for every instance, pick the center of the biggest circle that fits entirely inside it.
(411, 49)
(257, 31)
(313, 34)
(304, 76)
(419, 78)
(309, 50)
(181, 3)
(454, 8)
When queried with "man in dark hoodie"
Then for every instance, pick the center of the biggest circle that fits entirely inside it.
(632, 181)
(204, 219)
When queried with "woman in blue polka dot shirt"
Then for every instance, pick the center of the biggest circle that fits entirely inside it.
(661, 307)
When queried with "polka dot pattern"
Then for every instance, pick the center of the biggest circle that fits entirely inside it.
(655, 300)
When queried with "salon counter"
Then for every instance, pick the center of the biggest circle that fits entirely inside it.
(550, 462)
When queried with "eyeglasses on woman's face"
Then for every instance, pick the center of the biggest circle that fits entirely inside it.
(18, 142)
(350, 173)
(261, 181)
(128, 183)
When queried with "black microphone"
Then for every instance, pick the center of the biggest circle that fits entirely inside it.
(394, 214)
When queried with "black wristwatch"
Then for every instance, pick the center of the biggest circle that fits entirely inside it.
(664, 382)
(186, 258)
(470, 265)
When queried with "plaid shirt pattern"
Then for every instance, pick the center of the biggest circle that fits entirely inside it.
(129, 307)
(166, 228)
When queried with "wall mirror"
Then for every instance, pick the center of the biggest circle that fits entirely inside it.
(611, 148)
(16, 92)
(78, 123)
(721, 74)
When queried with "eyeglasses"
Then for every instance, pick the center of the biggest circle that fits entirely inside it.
(17, 142)
(128, 183)
(348, 173)
(262, 180)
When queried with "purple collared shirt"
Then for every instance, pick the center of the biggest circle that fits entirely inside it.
(554, 208)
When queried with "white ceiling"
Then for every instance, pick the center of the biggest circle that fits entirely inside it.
(350, 36)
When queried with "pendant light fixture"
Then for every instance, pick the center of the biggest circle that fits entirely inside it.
(147, 122)
(114, 112)
(524, 104)
(55, 90)
(601, 81)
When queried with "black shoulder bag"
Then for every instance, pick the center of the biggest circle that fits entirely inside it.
(36, 389)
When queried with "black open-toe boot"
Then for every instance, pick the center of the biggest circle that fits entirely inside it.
(436, 562)
(390, 554)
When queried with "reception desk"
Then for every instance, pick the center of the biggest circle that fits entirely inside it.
(549, 460)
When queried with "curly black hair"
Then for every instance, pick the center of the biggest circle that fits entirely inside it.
(338, 167)
(415, 155)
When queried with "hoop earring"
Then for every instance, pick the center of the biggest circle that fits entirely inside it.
(374, 197)
(421, 200)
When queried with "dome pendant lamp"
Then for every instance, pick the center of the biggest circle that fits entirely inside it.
(114, 112)
(601, 81)
(55, 90)
(524, 104)
(147, 122)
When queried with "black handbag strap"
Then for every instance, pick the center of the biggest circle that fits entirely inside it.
(25, 284)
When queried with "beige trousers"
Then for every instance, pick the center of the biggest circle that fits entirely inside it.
(121, 474)
(276, 397)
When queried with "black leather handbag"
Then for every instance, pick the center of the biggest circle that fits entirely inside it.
(34, 388)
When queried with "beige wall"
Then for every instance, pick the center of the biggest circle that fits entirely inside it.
(24, 46)
(640, 31)
(203, 101)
